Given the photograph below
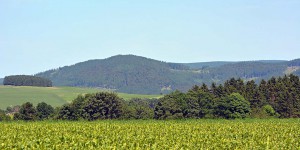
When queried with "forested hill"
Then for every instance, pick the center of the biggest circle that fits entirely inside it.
(135, 74)
(126, 73)
(201, 65)
(26, 80)
(1, 81)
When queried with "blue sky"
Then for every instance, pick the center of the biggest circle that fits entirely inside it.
(37, 35)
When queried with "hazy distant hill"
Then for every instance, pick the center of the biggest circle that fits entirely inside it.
(1, 81)
(135, 74)
(201, 65)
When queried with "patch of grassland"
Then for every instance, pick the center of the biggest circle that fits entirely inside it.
(55, 96)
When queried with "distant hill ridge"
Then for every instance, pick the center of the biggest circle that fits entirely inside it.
(1, 81)
(199, 65)
(141, 75)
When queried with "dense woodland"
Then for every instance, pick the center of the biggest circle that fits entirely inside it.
(277, 97)
(128, 74)
(25, 80)
(139, 75)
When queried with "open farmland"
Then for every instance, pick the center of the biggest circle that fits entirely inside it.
(150, 134)
(55, 96)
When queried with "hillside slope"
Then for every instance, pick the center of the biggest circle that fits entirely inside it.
(135, 74)
(201, 65)
(55, 96)
(125, 73)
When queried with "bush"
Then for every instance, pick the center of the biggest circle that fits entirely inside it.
(3, 116)
(102, 105)
(44, 110)
(171, 106)
(269, 110)
(27, 112)
(232, 106)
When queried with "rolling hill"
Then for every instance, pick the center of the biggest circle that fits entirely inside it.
(55, 96)
(128, 73)
(140, 75)
(201, 65)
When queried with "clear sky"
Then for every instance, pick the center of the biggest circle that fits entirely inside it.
(37, 35)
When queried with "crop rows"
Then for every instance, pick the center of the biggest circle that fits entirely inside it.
(184, 134)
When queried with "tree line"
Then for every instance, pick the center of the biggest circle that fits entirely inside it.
(26, 80)
(277, 97)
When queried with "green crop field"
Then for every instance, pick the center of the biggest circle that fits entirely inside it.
(152, 134)
(55, 96)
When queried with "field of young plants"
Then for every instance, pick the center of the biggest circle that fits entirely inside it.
(152, 134)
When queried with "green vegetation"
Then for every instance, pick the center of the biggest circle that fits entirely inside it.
(134, 74)
(105, 119)
(55, 96)
(235, 99)
(25, 80)
(277, 97)
(1, 81)
(102, 105)
(213, 64)
(151, 134)
(202, 65)
(129, 74)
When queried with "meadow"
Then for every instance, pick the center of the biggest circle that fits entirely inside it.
(152, 134)
(55, 96)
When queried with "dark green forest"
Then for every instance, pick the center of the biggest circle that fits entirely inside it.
(212, 64)
(25, 80)
(140, 75)
(236, 98)
(129, 74)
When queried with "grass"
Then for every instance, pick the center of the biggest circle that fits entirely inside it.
(152, 134)
(55, 96)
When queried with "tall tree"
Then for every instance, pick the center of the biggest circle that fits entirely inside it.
(103, 105)
(200, 104)
(44, 110)
(27, 112)
(171, 106)
(232, 106)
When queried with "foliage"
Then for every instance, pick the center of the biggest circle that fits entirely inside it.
(233, 100)
(67, 112)
(101, 105)
(3, 116)
(134, 74)
(200, 102)
(127, 73)
(14, 109)
(27, 112)
(269, 110)
(25, 80)
(171, 106)
(277, 97)
(151, 134)
(44, 110)
(232, 106)
(139, 109)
